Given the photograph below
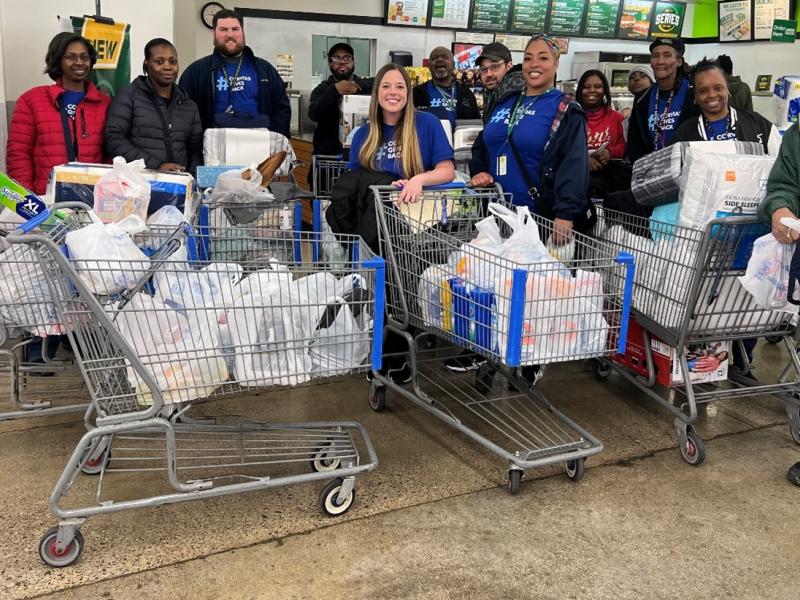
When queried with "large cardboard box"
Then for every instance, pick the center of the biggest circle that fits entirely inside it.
(707, 362)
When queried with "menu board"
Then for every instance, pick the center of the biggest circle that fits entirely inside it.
(765, 12)
(734, 21)
(451, 14)
(407, 12)
(566, 17)
(601, 19)
(634, 24)
(529, 16)
(491, 15)
(668, 19)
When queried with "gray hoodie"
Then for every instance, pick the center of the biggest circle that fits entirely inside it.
(512, 82)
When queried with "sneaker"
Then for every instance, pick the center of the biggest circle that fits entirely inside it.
(466, 361)
(400, 376)
(794, 474)
(533, 374)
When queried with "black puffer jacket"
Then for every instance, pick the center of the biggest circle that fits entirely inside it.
(135, 130)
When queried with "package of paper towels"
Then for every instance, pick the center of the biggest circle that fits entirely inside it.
(714, 186)
(787, 101)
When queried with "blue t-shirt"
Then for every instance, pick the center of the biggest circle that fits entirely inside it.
(718, 130)
(433, 146)
(534, 118)
(70, 101)
(666, 110)
(443, 102)
(239, 91)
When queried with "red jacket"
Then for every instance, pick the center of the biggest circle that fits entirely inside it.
(604, 126)
(36, 136)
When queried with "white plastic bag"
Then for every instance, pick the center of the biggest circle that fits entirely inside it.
(180, 349)
(343, 345)
(106, 257)
(122, 192)
(231, 187)
(767, 274)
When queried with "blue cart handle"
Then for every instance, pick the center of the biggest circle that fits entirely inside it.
(33, 223)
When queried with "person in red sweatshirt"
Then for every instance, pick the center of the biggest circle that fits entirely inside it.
(604, 132)
(55, 124)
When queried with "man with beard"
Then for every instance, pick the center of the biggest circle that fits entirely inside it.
(234, 88)
(496, 71)
(442, 96)
(325, 104)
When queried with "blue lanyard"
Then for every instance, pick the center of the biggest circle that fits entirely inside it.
(518, 113)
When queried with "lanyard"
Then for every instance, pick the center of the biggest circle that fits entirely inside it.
(518, 113)
(659, 121)
(445, 94)
(230, 82)
(709, 134)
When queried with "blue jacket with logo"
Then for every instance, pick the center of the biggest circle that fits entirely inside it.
(198, 82)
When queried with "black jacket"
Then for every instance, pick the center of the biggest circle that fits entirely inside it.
(352, 208)
(466, 105)
(564, 170)
(640, 140)
(749, 127)
(140, 125)
(198, 81)
(324, 108)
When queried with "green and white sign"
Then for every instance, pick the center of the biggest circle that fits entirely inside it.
(668, 19)
(784, 30)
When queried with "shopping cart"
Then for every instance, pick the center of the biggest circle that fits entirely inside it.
(325, 170)
(34, 389)
(686, 294)
(517, 316)
(181, 333)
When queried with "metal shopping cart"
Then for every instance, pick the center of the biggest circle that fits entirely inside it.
(189, 329)
(686, 294)
(325, 170)
(517, 316)
(42, 388)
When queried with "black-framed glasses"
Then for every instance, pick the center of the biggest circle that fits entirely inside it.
(341, 59)
(491, 68)
(73, 58)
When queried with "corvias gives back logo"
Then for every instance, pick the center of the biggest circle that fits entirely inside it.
(668, 20)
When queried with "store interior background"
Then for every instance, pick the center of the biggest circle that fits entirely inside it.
(25, 33)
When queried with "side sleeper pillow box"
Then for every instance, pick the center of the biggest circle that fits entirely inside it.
(74, 182)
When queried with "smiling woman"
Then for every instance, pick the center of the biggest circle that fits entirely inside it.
(153, 119)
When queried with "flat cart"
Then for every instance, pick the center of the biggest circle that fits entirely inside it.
(685, 297)
(517, 316)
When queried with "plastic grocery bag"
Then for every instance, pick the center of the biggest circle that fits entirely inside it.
(180, 349)
(341, 343)
(122, 192)
(106, 257)
(524, 245)
(243, 199)
(767, 274)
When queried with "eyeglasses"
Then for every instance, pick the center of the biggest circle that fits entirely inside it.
(549, 41)
(492, 68)
(341, 59)
(73, 58)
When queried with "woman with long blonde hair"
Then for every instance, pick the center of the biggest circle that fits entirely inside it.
(399, 140)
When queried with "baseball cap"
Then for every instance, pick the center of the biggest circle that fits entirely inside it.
(495, 51)
(646, 69)
(676, 43)
(340, 46)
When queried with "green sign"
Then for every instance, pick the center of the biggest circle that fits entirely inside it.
(601, 19)
(566, 17)
(112, 71)
(490, 15)
(783, 30)
(668, 19)
(634, 24)
(529, 16)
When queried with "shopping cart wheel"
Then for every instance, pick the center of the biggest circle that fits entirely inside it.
(694, 450)
(94, 466)
(514, 479)
(484, 378)
(329, 502)
(377, 396)
(794, 422)
(50, 554)
(575, 469)
(323, 461)
(601, 369)
(773, 339)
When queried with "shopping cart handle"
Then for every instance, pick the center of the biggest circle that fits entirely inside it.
(33, 223)
(453, 185)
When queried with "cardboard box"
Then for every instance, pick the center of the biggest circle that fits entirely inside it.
(707, 362)
(355, 113)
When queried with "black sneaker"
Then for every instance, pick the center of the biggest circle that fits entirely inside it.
(794, 474)
(400, 376)
(466, 361)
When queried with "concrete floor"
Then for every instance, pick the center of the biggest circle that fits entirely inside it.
(435, 520)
